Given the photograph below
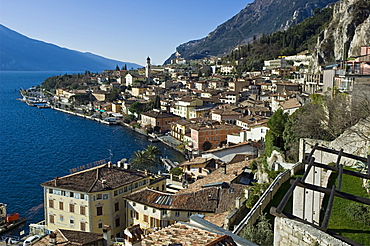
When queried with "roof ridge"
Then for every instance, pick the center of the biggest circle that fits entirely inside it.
(96, 180)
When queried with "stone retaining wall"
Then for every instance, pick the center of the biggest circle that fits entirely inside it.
(292, 233)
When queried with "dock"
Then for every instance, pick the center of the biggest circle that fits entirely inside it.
(168, 164)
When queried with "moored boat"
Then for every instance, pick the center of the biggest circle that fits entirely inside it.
(9, 221)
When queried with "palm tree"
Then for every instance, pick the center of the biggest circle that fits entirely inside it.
(153, 152)
(147, 159)
(140, 160)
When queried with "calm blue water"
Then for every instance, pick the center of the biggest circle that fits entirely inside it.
(40, 144)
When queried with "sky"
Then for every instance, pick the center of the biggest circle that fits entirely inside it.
(128, 31)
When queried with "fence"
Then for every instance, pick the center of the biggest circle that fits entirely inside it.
(267, 196)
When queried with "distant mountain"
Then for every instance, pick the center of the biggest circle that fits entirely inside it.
(257, 18)
(345, 34)
(20, 53)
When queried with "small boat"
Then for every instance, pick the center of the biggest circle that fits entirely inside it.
(153, 140)
(9, 221)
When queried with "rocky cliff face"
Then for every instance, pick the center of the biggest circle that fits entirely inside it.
(347, 32)
(261, 16)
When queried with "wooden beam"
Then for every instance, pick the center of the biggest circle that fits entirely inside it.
(339, 156)
(305, 174)
(340, 175)
(287, 195)
(348, 172)
(325, 221)
(336, 152)
(340, 194)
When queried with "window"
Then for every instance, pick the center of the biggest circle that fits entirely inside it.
(63, 193)
(50, 191)
(61, 205)
(61, 217)
(71, 194)
(117, 222)
(116, 206)
(71, 221)
(134, 204)
(177, 213)
(82, 210)
(83, 226)
(99, 196)
(164, 212)
(100, 225)
(71, 208)
(51, 218)
(99, 210)
(115, 193)
(145, 208)
(146, 218)
(82, 196)
(51, 203)
(189, 214)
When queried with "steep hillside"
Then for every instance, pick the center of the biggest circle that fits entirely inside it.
(261, 16)
(20, 53)
(346, 33)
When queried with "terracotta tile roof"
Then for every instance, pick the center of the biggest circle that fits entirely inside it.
(72, 238)
(226, 112)
(204, 200)
(291, 103)
(159, 114)
(195, 161)
(90, 180)
(215, 127)
(186, 235)
(217, 219)
(218, 176)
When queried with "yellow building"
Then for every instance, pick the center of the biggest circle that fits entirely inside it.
(89, 199)
(151, 208)
(183, 106)
(138, 91)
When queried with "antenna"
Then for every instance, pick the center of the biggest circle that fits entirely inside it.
(110, 154)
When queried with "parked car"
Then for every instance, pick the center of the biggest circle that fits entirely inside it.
(30, 240)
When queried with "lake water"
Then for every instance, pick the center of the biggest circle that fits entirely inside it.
(40, 144)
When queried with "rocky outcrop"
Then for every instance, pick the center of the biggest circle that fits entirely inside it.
(257, 18)
(346, 33)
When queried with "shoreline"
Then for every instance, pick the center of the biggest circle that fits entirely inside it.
(162, 140)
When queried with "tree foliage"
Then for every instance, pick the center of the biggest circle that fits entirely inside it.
(296, 39)
(148, 159)
(326, 117)
(206, 145)
(261, 233)
(274, 137)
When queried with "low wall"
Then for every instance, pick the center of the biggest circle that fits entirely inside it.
(289, 232)
(267, 196)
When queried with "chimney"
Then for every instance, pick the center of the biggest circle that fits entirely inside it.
(52, 238)
(224, 167)
(107, 235)
(146, 172)
(237, 202)
(104, 184)
(109, 164)
(118, 163)
(126, 165)
(56, 181)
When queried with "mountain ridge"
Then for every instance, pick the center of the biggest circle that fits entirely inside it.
(21, 53)
(257, 18)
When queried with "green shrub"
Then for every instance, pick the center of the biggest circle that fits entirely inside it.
(359, 212)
